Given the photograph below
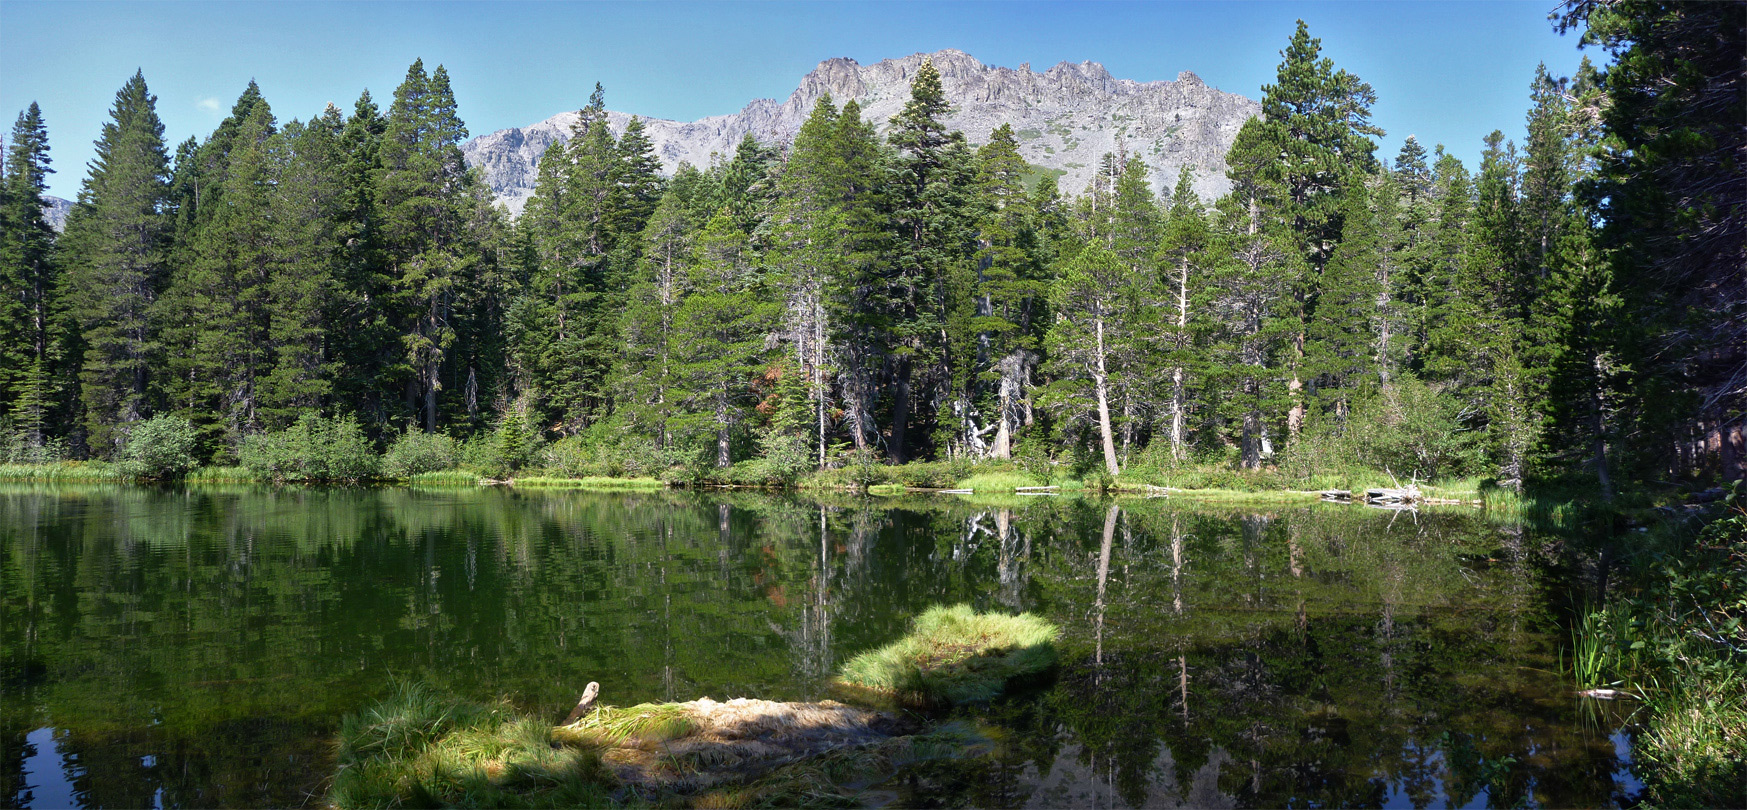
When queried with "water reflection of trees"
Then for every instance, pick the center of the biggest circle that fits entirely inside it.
(1251, 655)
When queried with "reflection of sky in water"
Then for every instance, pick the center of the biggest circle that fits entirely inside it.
(47, 781)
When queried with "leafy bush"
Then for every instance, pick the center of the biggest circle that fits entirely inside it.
(416, 452)
(1411, 430)
(161, 447)
(786, 457)
(316, 448)
(604, 454)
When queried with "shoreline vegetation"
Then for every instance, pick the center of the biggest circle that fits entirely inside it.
(947, 478)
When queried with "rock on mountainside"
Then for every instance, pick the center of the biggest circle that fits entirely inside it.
(1066, 119)
(56, 212)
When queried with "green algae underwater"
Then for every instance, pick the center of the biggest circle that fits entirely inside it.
(200, 646)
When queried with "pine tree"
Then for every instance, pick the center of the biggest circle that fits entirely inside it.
(804, 231)
(1254, 291)
(423, 189)
(719, 334)
(1310, 144)
(213, 319)
(1340, 347)
(371, 367)
(29, 343)
(1011, 284)
(647, 381)
(578, 218)
(1185, 256)
(312, 222)
(1133, 237)
(933, 240)
(1089, 297)
(115, 244)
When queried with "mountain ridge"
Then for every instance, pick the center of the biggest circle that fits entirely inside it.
(1066, 118)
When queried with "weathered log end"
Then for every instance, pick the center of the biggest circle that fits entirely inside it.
(582, 706)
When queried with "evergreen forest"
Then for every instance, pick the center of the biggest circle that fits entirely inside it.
(1572, 309)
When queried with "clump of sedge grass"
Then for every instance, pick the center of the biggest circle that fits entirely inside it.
(632, 726)
(955, 655)
(419, 749)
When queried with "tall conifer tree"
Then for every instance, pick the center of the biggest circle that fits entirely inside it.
(115, 247)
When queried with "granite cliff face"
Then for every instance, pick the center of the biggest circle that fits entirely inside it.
(1066, 118)
(56, 212)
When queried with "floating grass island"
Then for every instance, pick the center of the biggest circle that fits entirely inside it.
(954, 655)
(419, 749)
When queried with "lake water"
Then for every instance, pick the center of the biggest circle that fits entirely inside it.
(197, 647)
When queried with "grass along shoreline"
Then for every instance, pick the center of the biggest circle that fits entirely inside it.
(1206, 483)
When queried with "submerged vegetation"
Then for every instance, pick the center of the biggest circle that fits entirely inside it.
(955, 655)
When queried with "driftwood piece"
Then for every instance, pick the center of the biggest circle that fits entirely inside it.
(1407, 494)
(582, 706)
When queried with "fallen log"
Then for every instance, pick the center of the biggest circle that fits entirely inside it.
(1407, 494)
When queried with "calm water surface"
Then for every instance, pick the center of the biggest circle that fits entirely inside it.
(197, 647)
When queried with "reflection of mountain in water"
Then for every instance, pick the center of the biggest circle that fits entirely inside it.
(204, 643)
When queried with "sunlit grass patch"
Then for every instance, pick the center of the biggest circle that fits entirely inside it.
(419, 749)
(955, 655)
(588, 482)
(1000, 481)
(70, 471)
(633, 725)
(444, 478)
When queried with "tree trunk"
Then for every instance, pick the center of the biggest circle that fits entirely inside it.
(1101, 383)
(722, 457)
(1252, 440)
(900, 409)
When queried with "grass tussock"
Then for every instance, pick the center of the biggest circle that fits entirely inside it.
(954, 655)
(645, 723)
(420, 749)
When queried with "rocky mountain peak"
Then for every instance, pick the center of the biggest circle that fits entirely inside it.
(1066, 118)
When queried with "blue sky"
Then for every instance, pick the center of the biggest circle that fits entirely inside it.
(1447, 72)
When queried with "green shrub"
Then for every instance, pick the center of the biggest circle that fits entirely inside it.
(161, 447)
(315, 449)
(416, 452)
(1411, 430)
(604, 453)
(786, 458)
